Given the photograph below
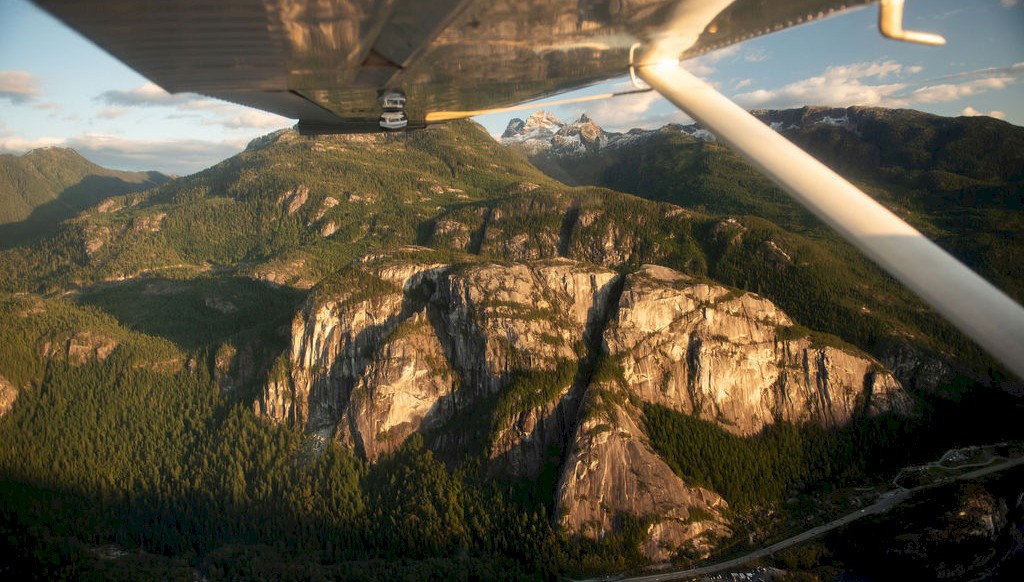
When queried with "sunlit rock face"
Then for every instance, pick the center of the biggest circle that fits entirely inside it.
(406, 386)
(370, 368)
(493, 361)
(534, 133)
(8, 394)
(612, 472)
(736, 359)
(80, 347)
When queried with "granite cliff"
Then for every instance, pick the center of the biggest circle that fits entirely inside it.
(508, 353)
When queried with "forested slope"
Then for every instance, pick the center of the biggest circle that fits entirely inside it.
(45, 186)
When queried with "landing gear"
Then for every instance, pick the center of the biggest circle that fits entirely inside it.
(393, 117)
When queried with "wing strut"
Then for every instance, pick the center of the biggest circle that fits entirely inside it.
(980, 310)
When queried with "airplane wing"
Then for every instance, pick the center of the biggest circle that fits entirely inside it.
(326, 62)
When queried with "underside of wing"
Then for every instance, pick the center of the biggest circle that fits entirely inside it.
(327, 62)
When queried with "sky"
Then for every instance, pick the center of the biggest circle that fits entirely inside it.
(57, 89)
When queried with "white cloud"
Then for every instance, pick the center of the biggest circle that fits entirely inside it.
(1009, 3)
(176, 156)
(742, 83)
(112, 112)
(16, 145)
(1014, 71)
(949, 14)
(112, 150)
(188, 106)
(880, 83)
(623, 114)
(629, 111)
(755, 55)
(972, 112)
(707, 63)
(179, 156)
(19, 87)
(146, 95)
(252, 119)
(207, 104)
(837, 85)
(721, 54)
(953, 91)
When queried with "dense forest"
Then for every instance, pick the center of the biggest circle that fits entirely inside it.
(109, 453)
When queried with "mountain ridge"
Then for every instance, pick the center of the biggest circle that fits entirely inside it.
(537, 134)
(45, 186)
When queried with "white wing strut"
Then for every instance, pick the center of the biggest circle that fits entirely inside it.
(980, 310)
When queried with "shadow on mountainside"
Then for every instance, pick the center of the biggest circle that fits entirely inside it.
(199, 313)
(90, 191)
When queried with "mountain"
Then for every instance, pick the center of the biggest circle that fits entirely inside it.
(416, 355)
(45, 186)
(958, 180)
(543, 132)
(867, 140)
(421, 346)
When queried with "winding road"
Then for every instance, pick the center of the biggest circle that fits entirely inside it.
(886, 501)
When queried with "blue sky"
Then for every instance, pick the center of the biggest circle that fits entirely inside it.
(58, 89)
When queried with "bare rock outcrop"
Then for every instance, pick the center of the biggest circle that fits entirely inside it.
(8, 394)
(329, 343)
(80, 347)
(500, 318)
(736, 359)
(296, 198)
(522, 442)
(612, 472)
(407, 342)
(402, 343)
(407, 387)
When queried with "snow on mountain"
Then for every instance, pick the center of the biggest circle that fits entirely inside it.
(535, 134)
(806, 117)
(542, 132)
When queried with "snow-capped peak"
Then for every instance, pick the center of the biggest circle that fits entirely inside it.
(540, 125)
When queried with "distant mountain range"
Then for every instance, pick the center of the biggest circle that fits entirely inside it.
(45, 186)
(420, 353)
(542, 133)
(980, 148)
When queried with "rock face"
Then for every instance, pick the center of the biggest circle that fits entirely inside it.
(406, 343)
(331, 341)
(733, 358)
(535, 133)
(80, 347)
(8, 394)
(543, 134)
(417, 342)
(407, 386)
(613, 472)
